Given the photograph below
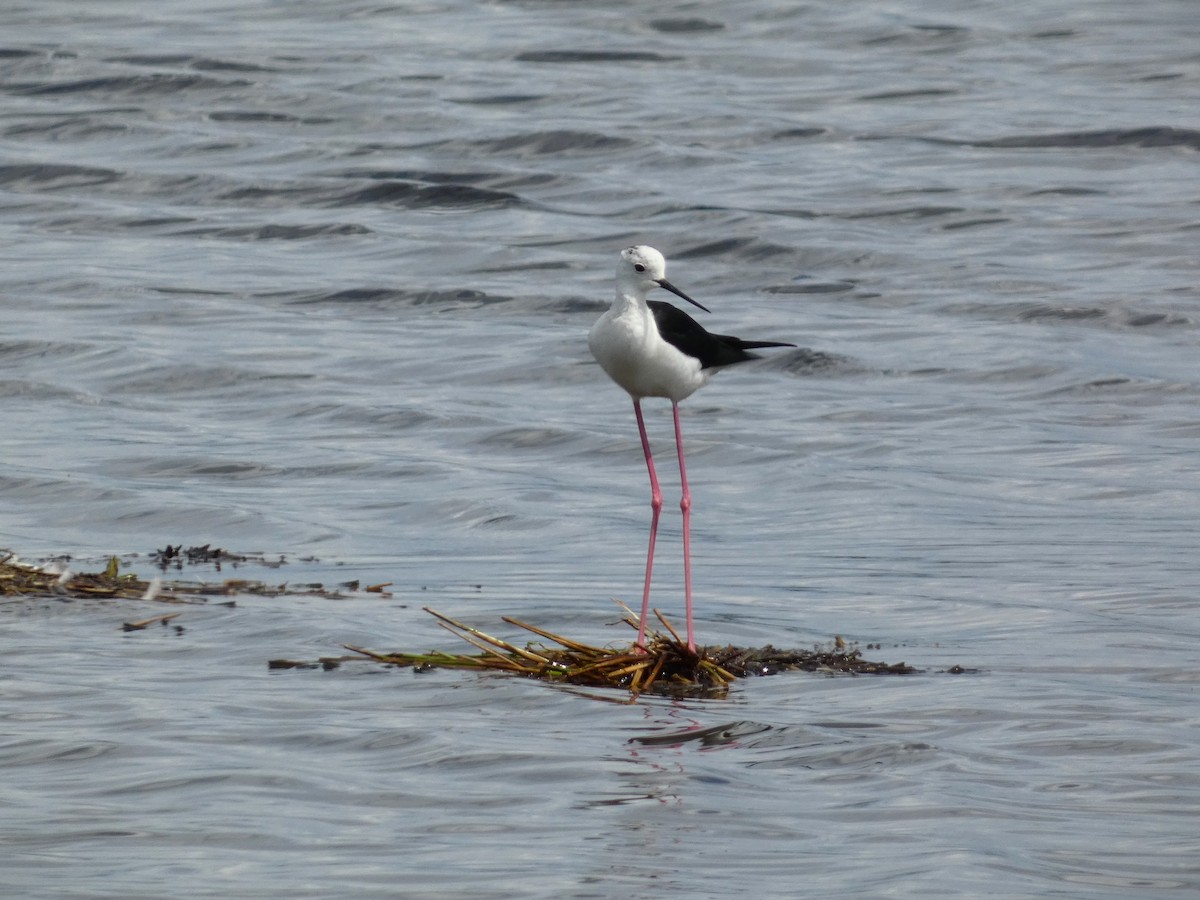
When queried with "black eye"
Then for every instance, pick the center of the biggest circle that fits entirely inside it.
(639, 267)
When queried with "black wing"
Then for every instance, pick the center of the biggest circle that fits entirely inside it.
(688, 336)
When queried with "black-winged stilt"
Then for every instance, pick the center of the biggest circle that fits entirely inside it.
(652, 349)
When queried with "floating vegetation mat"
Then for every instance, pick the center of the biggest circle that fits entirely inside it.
(21, 579)
(666, 666)
(59, 579)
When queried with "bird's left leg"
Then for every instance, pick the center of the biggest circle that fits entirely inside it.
(685, 506)
(656, 508)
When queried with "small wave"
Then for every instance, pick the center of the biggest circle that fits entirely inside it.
(554, 143)
(1113, 137)
(978, 222)
(1150, 137)
(40, 391)
(184, 60)
(811, 287)
(155, 83)
(1068, 191)
(1041, 312)
(592, 56)
(685, 25)
(426, 176)
(391, 420)
(800, 133)
(498, 99)
(1035, 311)
(911, 94)
(391, 297)
(727, 733)
(921, 35)
(805, 361)
(255, 116)
(55, 176)
(924, 211)
(528, 438)
(12, 351)
(272, 232)
(1121, 387)
(741, 248)
(418, 196)
(189, 467)
(184, 380)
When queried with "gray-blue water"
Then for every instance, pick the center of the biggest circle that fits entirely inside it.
(314, 279)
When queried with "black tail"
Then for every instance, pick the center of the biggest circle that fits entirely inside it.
(735, 350)
(755, 345)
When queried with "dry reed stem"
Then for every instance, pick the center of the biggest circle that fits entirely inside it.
(146, 623)
(667, 625)
(509, 662)
(494, 641)
(557, 638)
(381, 657)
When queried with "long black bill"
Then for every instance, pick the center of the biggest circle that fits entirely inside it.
(663, 283)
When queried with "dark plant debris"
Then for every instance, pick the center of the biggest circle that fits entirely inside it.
(177, 556)
(666, 666)
(146, 623)
(58, 579)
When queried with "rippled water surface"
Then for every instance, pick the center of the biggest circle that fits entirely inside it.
(314, 279)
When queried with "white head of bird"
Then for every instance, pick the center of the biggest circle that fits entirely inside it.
(640, 269)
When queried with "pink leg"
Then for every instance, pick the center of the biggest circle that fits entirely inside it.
(656, 506)
(685, 505)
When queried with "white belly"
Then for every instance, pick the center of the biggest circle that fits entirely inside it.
(627, 345)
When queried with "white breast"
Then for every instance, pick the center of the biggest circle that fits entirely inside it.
(626, 343)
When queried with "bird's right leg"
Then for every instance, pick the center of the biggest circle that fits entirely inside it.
(656, 502)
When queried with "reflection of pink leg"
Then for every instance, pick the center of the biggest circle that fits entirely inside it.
(656, 506)
(685, 505)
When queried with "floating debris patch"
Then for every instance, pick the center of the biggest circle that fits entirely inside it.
(176, 556)
(58, 578)
(666, 666)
